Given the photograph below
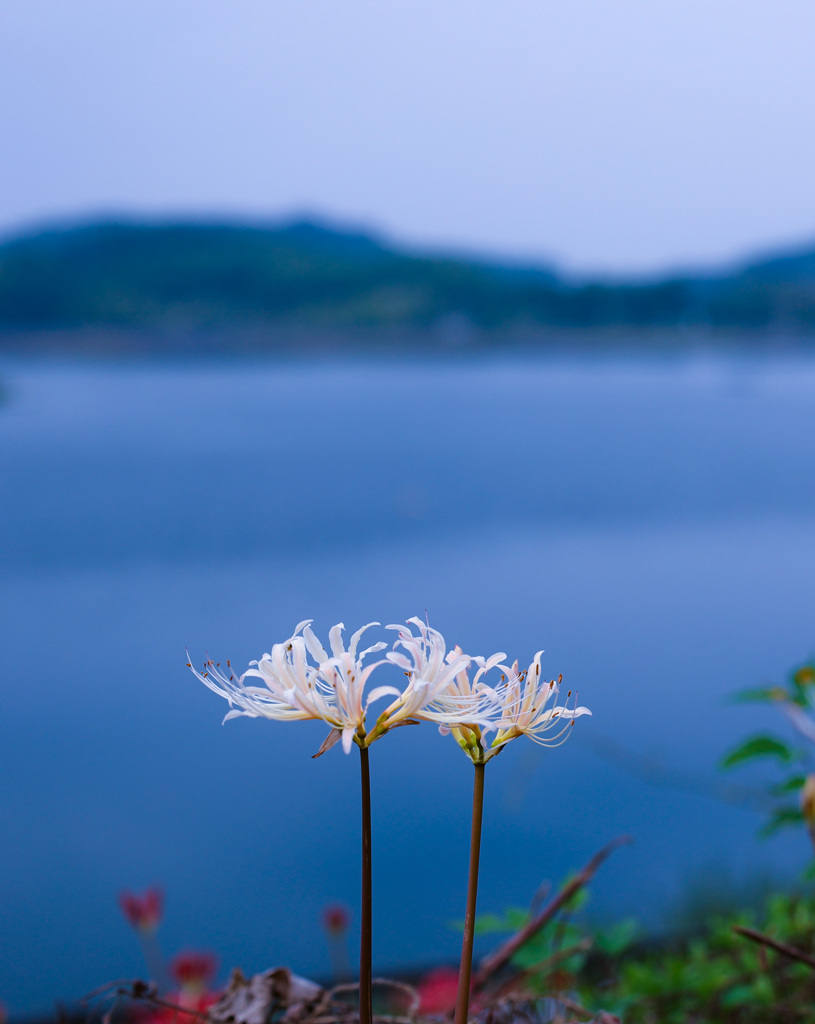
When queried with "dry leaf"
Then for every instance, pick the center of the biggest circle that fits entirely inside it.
(256, 999)
(331, 739)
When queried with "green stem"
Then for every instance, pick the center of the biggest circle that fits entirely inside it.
(466, 969)
(366, 929)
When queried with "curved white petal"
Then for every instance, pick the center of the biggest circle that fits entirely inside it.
(355, 638)
(395, 658)
(382, 691)
(335, 640)
(347, 738)
(313, 645)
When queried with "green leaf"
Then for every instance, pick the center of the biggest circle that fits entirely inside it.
(516, 918)
(762, 694)
(782, 818)
(618, 938)
(758, 746)
(487, 923)
(740, 995)
(577, 900)
(792, 785)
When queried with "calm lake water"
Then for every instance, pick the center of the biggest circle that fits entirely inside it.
(651, 524)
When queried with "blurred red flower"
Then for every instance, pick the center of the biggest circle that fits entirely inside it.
(193, 971)
(143, 912)
(336, 919)
(437, 991)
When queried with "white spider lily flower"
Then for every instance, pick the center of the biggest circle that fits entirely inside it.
(467, 706)
(517, 706)
(430, 694)
(523, 698)
(332, 690)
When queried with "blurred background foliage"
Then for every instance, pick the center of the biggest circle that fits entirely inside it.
(710, 975)
(789, 796)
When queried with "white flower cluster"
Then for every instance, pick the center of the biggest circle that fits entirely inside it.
(299, 679)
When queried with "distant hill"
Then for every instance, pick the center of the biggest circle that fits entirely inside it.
(191, 277)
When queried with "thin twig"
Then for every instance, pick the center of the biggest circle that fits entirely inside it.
(496, 960)
(156, 1001)
(779, 947)
(570, 1004)
(138, 991)
(546, 964)
(110, 986)
(599, 1016)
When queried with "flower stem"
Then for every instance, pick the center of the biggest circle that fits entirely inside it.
(156, 971)
(465, 971)
(365, 946)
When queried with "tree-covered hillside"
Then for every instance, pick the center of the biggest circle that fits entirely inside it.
(191, 276)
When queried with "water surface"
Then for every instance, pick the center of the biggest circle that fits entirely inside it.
(649, 523)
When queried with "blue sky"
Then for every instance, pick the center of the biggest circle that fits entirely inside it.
(611, 135)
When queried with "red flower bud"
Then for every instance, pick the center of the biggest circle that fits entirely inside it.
(143, 912)
(336, 919)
